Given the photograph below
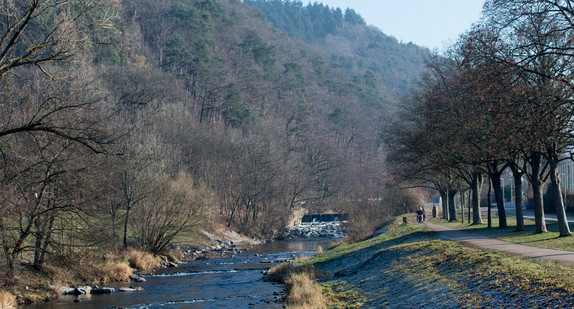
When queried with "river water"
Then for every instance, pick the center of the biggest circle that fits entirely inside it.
(231, 281)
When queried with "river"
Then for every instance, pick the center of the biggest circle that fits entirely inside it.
(231, 281)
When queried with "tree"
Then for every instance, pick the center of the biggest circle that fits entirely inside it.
(50, 129)
(42, 32)
(538, 34)
(353, 18)
(293, 107)
(161, 217)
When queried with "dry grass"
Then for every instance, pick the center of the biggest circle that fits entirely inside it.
(7, 300)
(91, 272)
(283, 271)
(92, 268)
(299, 277)
(117, 271)
(59, 275)
(142, 261)
(303, 292)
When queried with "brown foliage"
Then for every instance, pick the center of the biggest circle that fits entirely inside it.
(7, 300)
(304, 292)
(142, 261)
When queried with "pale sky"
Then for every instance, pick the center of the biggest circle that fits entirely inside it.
(429, 23)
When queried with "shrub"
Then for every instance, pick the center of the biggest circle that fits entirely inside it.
(142, 261)
(304, 292)
(117, 271)
(7, 300)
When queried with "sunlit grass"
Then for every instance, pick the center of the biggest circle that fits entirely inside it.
(340, 294)
(395, 268)
(408, 260)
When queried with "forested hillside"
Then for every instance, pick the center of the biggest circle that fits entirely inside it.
(127, 123)
(347, 41)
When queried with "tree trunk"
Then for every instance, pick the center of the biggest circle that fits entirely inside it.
(476, 186)
(469, 206)
(451, 205)
(489, 201)
(126, 227)
(563, 227)
(462, 202)
(499, 200)
(10, 267)
(536, 182)
(444, 197)
(43, 240)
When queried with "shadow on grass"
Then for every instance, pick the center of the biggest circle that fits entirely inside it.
(528, 237)
(495, 231)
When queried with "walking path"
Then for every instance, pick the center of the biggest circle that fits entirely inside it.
(483, 242)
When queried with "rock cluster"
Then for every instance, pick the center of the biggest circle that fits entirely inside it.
(85, 290)
(166, 263)
(219, 248)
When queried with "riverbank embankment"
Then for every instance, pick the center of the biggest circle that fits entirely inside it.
(410, 266)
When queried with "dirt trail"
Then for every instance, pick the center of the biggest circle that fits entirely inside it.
(483, 242)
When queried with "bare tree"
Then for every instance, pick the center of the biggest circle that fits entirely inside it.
(539, 34)
(175, 204)
(50, 129)
(42, 32)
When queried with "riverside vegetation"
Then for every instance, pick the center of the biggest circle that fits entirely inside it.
(407, 266)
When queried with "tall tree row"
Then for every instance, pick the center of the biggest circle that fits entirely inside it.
(503, 100)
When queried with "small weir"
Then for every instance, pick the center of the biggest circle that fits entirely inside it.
(319, 226)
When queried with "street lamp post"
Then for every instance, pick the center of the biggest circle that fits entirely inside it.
(567, 183)
(564, 186)
(511, 189)
(503, 201)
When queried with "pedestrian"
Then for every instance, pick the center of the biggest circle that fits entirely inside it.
(419, 213)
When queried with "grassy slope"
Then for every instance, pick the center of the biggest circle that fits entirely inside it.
(409, 267)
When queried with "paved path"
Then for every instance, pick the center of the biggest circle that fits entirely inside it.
(483, 242)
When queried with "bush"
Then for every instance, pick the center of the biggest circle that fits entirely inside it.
(118, 271)
(7, 300)
(142, 261)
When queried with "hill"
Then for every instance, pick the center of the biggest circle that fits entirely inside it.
(317, 98)
(348, 41)
(137, 123)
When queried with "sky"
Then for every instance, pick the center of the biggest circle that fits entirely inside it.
(429, 23)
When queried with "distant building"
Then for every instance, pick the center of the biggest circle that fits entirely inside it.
(566, 170)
